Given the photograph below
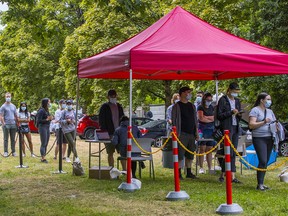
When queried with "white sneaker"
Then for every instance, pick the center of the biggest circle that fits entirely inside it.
(218, 168)
(201, 171)
(5, 154)
(77, 160)
(23, 155)
(32, 155)
(68, 160)
(212, 172)
(14, 154)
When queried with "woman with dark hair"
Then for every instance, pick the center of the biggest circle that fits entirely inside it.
(205, 113)
(259, 118)
(43, 121)
(229, 115)
(23, 119)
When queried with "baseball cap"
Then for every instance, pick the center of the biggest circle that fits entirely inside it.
(62, 101)
(112, 92)
(234, 86)
(183, 89)
(69, 101)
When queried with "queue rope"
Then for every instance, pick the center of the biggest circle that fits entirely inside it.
(195, 153)
(39, 155)
(146, 152)
(253, 167)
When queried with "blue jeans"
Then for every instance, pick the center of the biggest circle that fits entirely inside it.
(9, 129)
(44, 131)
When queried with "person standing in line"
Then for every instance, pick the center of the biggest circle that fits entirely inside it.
(8, 117)
(205, 113)
(109, 119)
(229, 115)
(260, 118)
(43, 121)
(175, 99)
(185, 119)
(67, 121)
(62, 106)
(198, 100)
(24, 119)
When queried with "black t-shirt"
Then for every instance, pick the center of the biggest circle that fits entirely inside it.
(187, 117)
(206, 112)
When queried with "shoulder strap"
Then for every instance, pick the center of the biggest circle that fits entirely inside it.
(265, 112)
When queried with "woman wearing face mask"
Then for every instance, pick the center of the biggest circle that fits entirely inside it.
(23, 119)
(229, 115)
(205, 113)
(174, 100)
(43, 121)
(67, 122)
(259, 118)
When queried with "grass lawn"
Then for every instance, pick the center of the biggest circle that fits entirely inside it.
(37, 191)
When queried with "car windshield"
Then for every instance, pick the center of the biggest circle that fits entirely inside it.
(151, 124)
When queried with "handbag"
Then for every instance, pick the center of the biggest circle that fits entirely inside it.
(217, 134)
(78, 169)
(24, 129)
(284, 175)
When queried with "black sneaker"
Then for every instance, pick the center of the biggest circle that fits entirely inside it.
(142, 165)
(44, 161)
(190, 175)
(180, 177)
(221, 179)
(235, 180)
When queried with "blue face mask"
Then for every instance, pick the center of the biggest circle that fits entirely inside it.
(69, 107)
(234, 94)
(189, 96)
(49, 105)
(23, 108)
(198, 99)
(208, 103)
(8, 99)
(268, 103)
(63, 106)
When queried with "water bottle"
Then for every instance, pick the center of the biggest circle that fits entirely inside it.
(200, 134)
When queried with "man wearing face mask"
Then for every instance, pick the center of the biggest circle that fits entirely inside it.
(199, 96)
(174, 100)
(229, 115)
(185, 119)
(109, 119)
(8, 117)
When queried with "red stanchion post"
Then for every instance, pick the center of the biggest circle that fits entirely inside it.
(229, 207)
(177, 194)
(129, 149)
(129, 185)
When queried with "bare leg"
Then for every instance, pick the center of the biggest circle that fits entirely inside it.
(123, 163)
(56, 151)
(64, 147)
(201, 158)
(209, 157)
(28, 136)
(111, 159)
(23, 144)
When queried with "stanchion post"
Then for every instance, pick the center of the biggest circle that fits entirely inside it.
(229, 207)
(129, 186)
(177, 194)
(20, 150)
(60, 143)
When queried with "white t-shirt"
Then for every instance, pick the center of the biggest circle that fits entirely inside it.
(22, 115)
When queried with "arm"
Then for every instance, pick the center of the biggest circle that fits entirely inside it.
(102, 114)
(115, 138)
(203, 118)
(222, 113)
(253, 124)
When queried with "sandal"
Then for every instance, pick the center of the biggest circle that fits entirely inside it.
(44, 161)
(235, 180)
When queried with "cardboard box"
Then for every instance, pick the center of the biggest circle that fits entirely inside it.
(104, 172)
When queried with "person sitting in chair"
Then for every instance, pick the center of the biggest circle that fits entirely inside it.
(119, 139)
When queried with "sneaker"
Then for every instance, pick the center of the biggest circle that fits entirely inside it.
(218, 168)
(235, 180)
(63, 158)
(212, 172)
(14, 154)
(77, 160)
(201, 171)
(68, 160)
(23, 155)
(5, 154)
(180, 177)
(44, 161)
(221, 179)
(32, 155)
(55, 158)
(190, 175)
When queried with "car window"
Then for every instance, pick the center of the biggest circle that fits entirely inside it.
(150, 124)
(94, 117)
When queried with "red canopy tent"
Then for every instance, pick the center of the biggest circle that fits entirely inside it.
(180, 46)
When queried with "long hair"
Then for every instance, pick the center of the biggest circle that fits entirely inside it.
(207, 94)
(26, 111)
(174, 97)
(44, 104)
(260, 97)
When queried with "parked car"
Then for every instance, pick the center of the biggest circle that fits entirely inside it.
(87, 125)
(283, 146)
(32, 123)
(154, 129)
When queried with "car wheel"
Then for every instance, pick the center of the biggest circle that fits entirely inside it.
(158, 142)
(89, 133)
(283, 149)
(82, 137)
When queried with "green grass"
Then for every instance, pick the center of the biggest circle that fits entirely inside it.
(36, 191)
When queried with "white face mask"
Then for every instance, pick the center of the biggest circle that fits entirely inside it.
(63, 106)
(198, 99)
(113, 100)
(234, 94)
(23, 108)
(268, 103)
(189, 96)
(8, 99)
(176, 101)
(208, 103)
(69, 107)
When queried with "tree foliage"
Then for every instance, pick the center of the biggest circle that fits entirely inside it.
(44, 39)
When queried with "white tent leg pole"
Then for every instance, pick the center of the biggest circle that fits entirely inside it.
(130, 98)
(216, 81)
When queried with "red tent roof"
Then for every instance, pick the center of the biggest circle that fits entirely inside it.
(180, 46)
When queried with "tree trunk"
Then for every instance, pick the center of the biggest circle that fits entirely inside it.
(168, 93)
